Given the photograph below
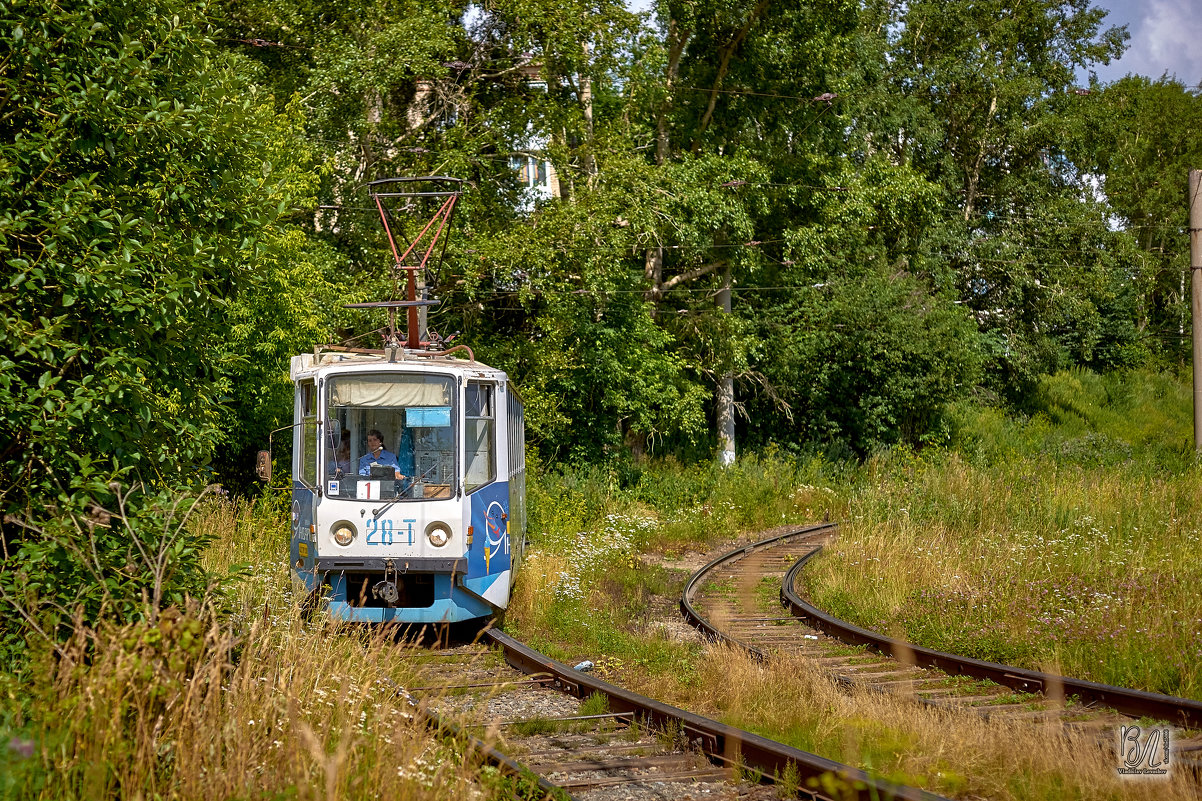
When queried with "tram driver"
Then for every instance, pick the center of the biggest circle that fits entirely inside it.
(377, 454)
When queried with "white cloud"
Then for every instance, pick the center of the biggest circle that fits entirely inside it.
(1164, 37)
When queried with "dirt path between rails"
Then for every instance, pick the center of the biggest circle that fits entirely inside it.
(665, 612)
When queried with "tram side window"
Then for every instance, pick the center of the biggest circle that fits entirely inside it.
(481, 436)
(308, 434)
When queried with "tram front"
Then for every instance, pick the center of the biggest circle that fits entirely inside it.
(391, 461)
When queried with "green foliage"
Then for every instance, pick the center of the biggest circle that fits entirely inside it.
(293, 302)
(595, 704)
(987, 114)
(985, 77)
(1135, 136)
(1134, 419)
(593, 365)
(139, 195)
(86, 564)
(920, 150)
(870, 359)
(131, 195)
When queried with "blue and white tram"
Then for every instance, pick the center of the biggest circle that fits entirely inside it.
(408, 501)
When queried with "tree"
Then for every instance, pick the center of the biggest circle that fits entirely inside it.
(986, 111)
(858, 344)
(868, 359)
(1137, 137)
(723, 71)
(138, 185)
(988, 76)
(558, 300)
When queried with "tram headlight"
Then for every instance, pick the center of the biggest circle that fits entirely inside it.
(438, 533)
(344, 532)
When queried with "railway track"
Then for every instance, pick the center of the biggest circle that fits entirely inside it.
(738, 596)
(570, 734)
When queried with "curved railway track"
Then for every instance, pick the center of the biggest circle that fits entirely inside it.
(728, 599)
(571, 734)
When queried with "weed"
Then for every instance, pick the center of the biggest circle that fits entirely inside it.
(595, 704)
(743, 774)
(634, 731)
(533, 726)
(671, 736)
(767, 593)
(1030, 700)
(788, 782)
(720, 586)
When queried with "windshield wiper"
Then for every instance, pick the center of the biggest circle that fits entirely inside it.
(379, 510)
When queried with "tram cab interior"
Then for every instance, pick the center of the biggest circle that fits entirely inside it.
(412, 417)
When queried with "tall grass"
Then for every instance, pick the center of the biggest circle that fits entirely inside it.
(1065, 539)
(1069, 546)
(953, 753)
(205, 705)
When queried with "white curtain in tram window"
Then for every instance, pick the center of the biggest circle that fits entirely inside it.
(391, 391)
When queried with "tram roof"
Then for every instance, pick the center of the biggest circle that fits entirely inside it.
(324, 362)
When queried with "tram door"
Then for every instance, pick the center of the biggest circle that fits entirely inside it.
(304, 475)
(487, 495)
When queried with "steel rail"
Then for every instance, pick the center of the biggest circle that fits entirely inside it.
(720, 742)
(1137, 703)
(695, 618)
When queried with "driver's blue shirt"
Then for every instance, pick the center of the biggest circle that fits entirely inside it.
(386, 459)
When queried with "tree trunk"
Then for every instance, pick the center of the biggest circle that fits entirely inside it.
(586, 105)
(726, 54)
(726, 387)
(677, 39)
(653, 271)
(973, 176)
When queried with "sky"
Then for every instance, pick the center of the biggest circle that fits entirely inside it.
(1166, 35)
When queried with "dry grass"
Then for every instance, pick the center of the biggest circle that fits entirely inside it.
(542, 575)
(1094, 571)
(954, 753)
(1107, 549)
(199, 705)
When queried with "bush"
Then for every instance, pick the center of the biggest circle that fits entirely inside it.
(872, 359)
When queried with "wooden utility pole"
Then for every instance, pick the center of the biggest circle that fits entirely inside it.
(1195, 261)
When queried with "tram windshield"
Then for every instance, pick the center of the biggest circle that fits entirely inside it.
(390, 437)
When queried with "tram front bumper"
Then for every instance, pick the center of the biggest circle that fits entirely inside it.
(358, 593)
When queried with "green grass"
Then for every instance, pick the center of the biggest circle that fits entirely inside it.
(535, 726)
(1064, 540)
(595, 704)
